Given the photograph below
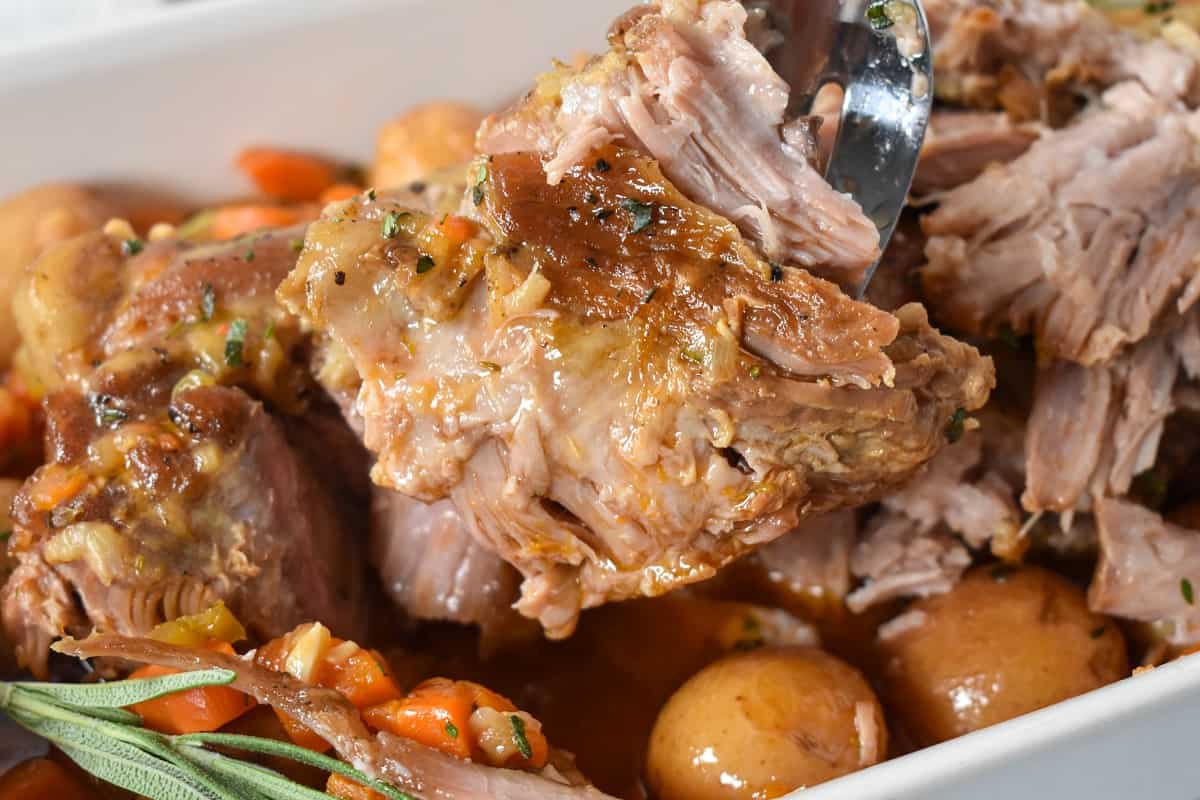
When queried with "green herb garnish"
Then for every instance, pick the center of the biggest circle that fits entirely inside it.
(208, 301)
(269, 333)
(391, 223)
(481, 176)
(249, 255)
(371, 194)
(235, 343)
(4, 537)
(650, 295)
(1185, 588)
(518, 726)
(954, 428)
(755, 371)
(602, 213)
(602, 165)
(776, 272)
(297, 245)
(451, 730)
(643, 214)
(131, 247)
(1158, 8)
(89, 723)
(877, 15)
(694, 356)
(424, 264)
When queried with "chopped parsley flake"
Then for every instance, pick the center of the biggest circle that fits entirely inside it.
(297, 245)
(602, 165)
(954, 428)
(424, 264)
(694, 356)
(650, 295)
(776, 272)
(481, 176)
(249, 256)
(1185, 588)
(643, 214)
(131, 247)
(339, 278)
(1158, 8)
(370, 194)
(235, 343)
(269, 333)
(391, 223)
(591, 198)
(602, 213)
(4, 537)
(518, 726)
(877, 15)
(451, 730)
(208, 301)
(755, 371)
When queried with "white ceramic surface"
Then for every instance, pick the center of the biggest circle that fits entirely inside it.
(171, 98)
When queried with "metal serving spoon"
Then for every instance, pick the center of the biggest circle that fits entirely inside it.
(858, 44)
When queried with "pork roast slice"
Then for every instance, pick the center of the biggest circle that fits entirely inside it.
(168, 485)
(616, 392)
(1036, 58)
(1093, 429)
(959, 145)
(1146, 570)
(1087, 240)
(682, 83)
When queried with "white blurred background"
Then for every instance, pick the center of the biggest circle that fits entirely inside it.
(29, 21)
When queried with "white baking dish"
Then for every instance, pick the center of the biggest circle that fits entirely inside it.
(169, 98)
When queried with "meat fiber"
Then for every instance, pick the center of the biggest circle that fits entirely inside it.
(1037, 58)
(683, 84)
(169, 485)
(1146, 570)
(618, 395)
(1093, 429)
(959, 145)
(1088, 240)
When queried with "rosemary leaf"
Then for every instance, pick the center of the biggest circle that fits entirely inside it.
(120, 694)
(246, 776)
(301, 755)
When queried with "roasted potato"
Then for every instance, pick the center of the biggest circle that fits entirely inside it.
(422, 141)
(1004, 642)
(30, 222)
(762, 723)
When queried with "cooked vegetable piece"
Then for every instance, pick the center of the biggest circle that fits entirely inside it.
(42, 778)
(286, 174)
(1004, 642)
(343, 788)
(232, 221)
(203, 709)
(340, 191)
(422, 141)
(216, 622)
(360, 674)
(760, 724)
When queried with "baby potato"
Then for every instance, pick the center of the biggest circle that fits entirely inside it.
(422, 141)
(762, 723)
(30, 222)
(1002, 643)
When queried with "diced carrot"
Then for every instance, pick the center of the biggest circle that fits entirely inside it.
(362, 675)
(204, 709)
(287, 174)
(299, 733)
(40, 778)
(457, 229)
(19, 423)
(437, 714)
(56, 483)
(343, 788)
(339, 191)
(233, 221)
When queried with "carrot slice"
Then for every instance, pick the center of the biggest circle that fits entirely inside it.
(41, 777)
(287, 174)
(199, 710)
(343, 788)
(457, 229)
(340, 191)
(363, 676)
(233, 221)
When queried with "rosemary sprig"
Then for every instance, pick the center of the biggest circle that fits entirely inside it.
(89, 723)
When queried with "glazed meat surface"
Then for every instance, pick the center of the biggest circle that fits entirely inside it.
(169, 483)
(616, 392)
(682, 83)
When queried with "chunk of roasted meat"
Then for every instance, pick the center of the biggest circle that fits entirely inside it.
(168, 484)
(615, 391)
(1039, 59)
(682, 83)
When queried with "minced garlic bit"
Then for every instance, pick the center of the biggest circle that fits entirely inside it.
(161, 231)
(497, 735)
(119, 229)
